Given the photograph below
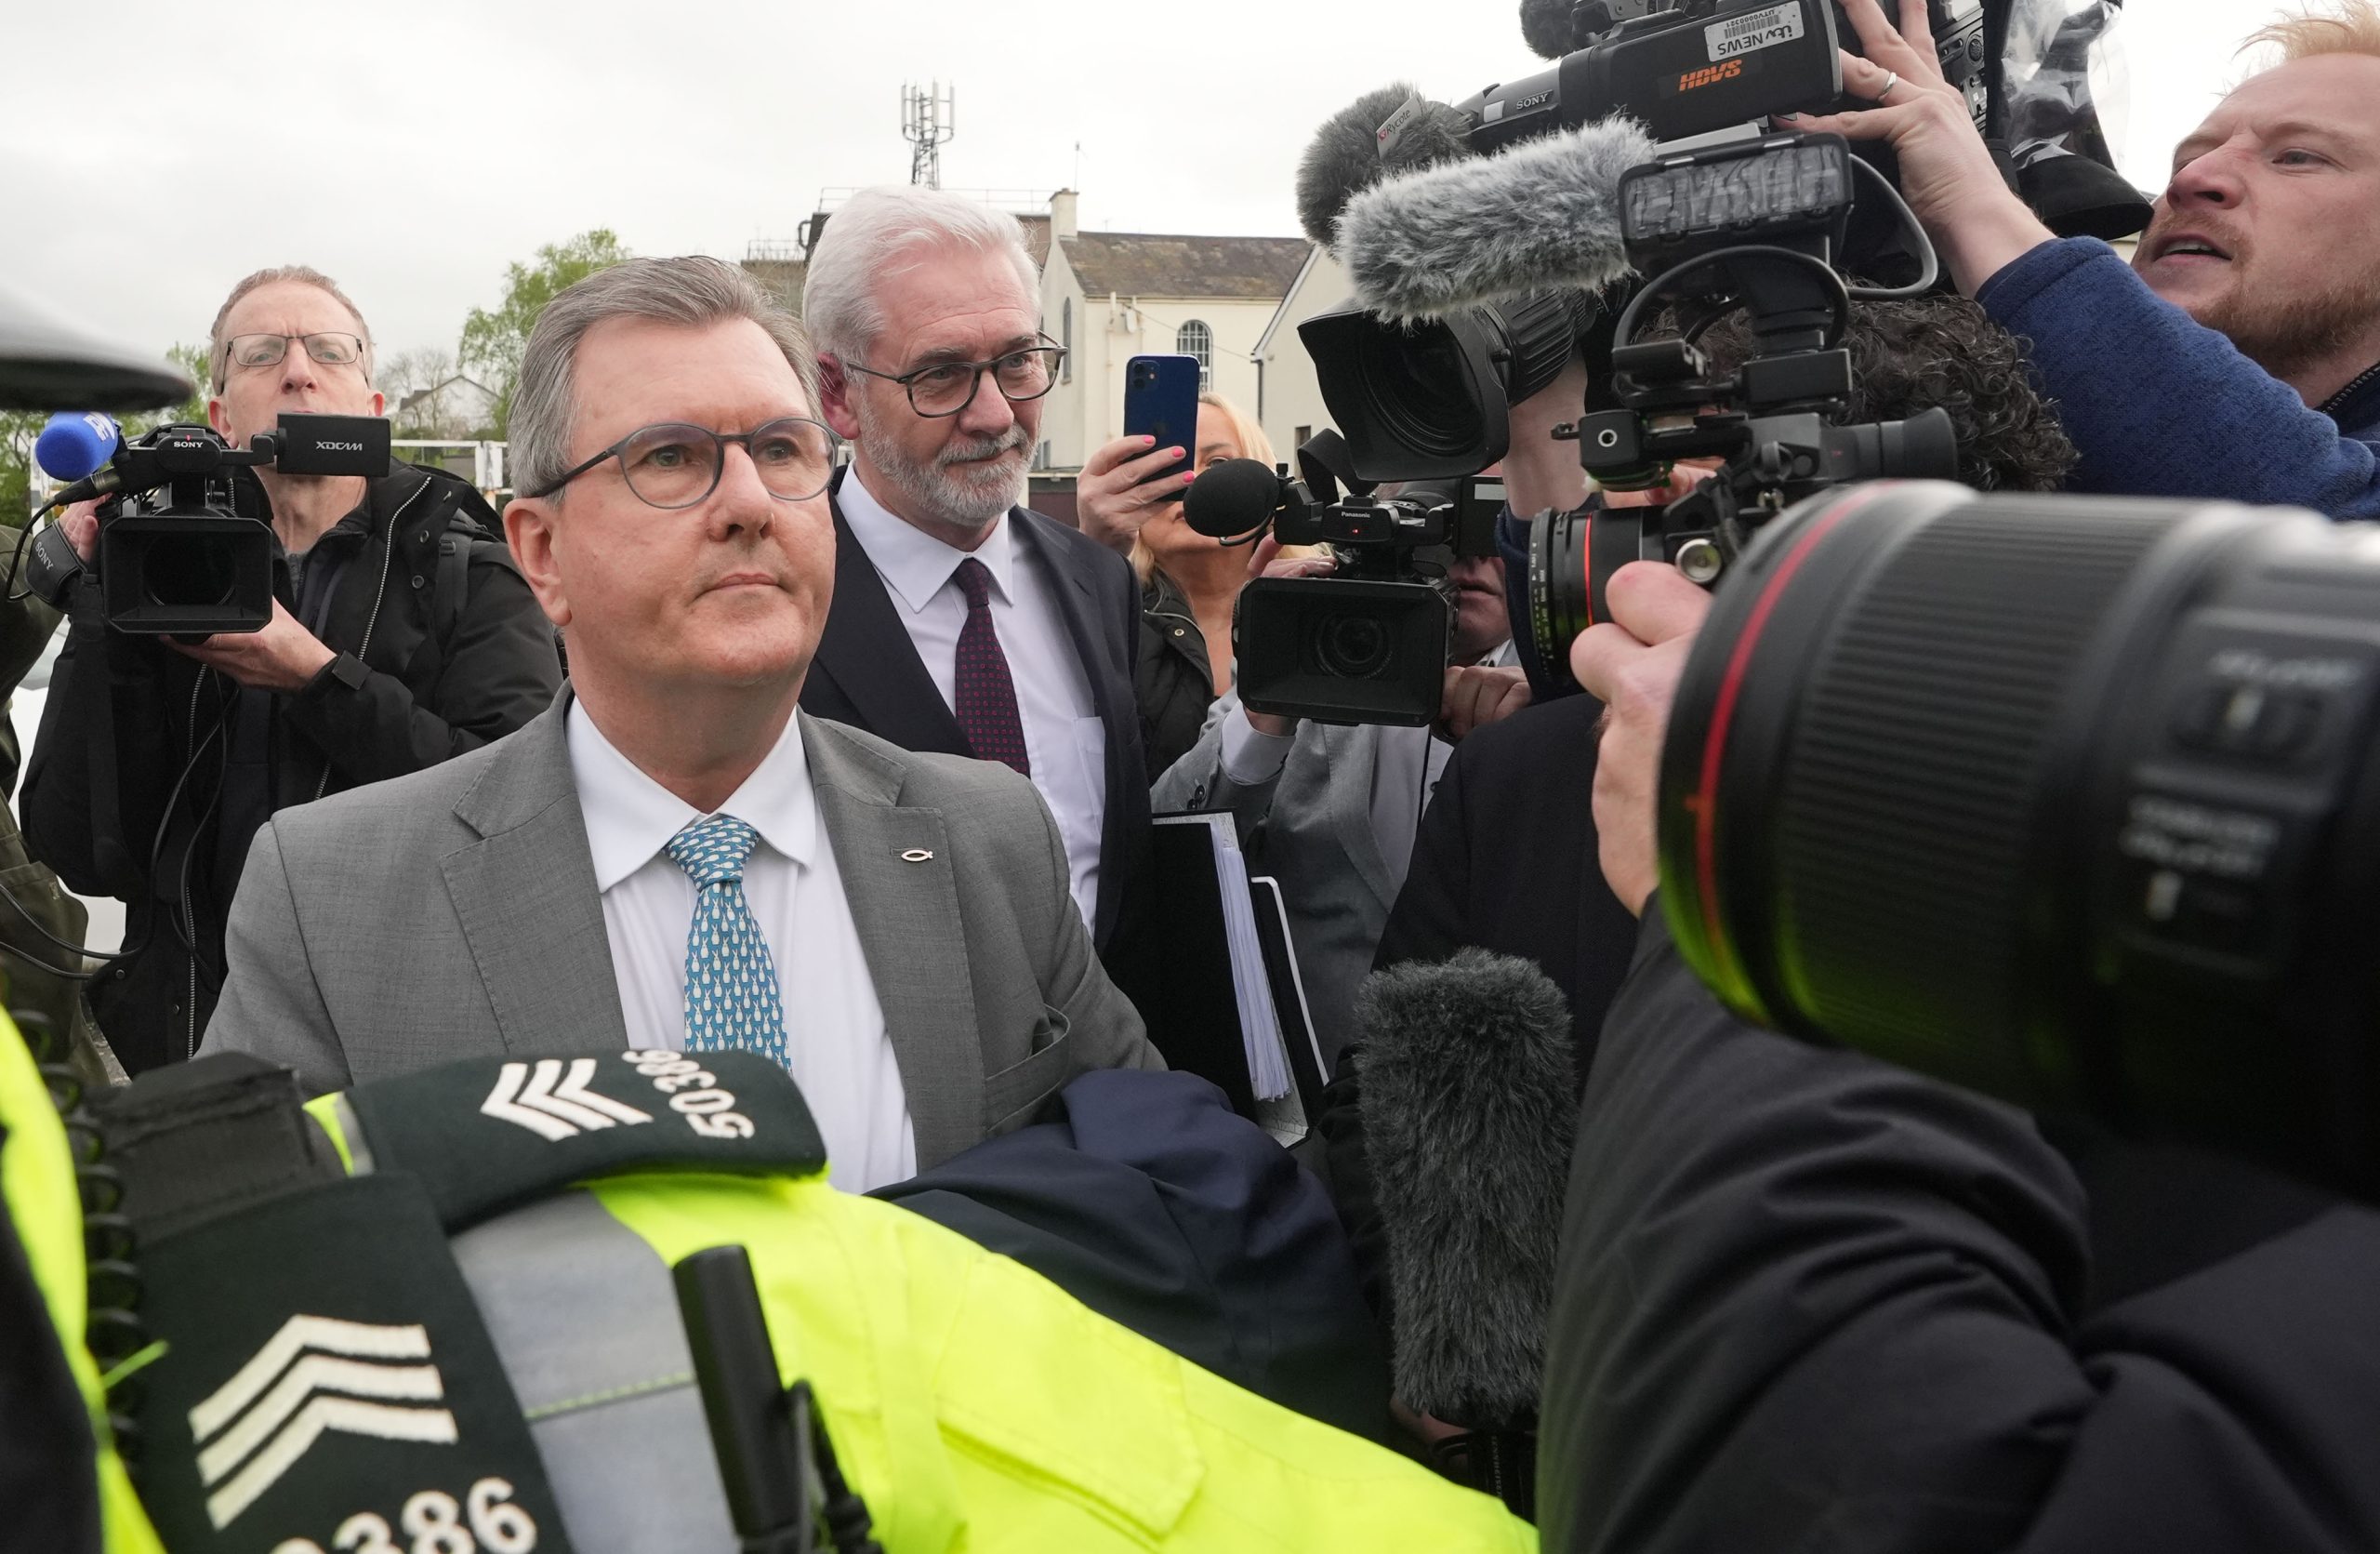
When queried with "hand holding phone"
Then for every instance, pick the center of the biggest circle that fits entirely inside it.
(1161, 401)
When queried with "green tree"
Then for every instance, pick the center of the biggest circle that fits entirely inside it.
(493, 341)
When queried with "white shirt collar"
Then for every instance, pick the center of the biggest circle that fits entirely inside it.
(913, 563)
(631, 817)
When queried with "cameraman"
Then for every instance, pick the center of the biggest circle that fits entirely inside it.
(2240, 357)
(1332, 810)
(1807, 1299)
(401, 635)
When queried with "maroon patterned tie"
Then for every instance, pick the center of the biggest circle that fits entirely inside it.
(987, 696)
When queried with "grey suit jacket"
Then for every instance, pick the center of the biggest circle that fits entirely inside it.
(453, 913)
(1310, 827)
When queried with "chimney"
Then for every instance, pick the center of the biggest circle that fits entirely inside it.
(1062, 216)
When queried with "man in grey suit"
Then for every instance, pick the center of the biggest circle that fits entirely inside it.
(1330, 810)
(674, 855)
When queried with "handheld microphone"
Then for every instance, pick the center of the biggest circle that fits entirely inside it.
(1232, 496)
(1470, 1103)
(1381, 133)
(1543, 216)
(74, 445)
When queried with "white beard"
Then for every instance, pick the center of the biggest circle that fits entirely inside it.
(959, 485)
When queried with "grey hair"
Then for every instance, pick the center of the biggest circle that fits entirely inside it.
(219, 344)
(691, 291)
(866, 241)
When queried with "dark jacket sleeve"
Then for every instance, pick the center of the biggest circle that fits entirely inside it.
(106, 689)
(501, 669)
(1804, 1300)
(1808, 1301)
(2160, 405)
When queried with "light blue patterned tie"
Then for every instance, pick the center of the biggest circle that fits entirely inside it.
(731, 1002)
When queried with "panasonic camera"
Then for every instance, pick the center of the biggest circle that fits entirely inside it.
(181, 550)
(1369, 644)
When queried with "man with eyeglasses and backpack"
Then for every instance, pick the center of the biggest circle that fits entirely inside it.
(402, 634)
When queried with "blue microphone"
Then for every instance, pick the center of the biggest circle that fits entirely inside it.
(73, 446)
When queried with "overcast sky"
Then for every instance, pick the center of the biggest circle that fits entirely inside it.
(413, 151)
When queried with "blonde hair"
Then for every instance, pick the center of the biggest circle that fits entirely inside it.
(2354, 28)
(1253, 442)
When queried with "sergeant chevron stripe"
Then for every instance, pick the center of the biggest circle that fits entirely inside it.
(284, 1398)
(556, 1110)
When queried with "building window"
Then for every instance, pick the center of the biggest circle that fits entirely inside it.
(1066, 339)
(1194, 338)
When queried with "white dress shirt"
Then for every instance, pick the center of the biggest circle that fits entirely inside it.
(835, 1043)
(1400, 791)
(1063, 738)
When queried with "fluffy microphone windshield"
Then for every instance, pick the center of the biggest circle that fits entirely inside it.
(1544, 213)
(1547, 28)
(1349, 153)
(1470, 1101)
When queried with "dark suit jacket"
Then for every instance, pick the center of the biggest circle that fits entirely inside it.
(1504, 860)
(868, 675)
(1808, 1301)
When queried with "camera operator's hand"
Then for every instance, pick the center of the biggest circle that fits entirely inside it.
(1977, 223)
(1266, 561)
(1631, 664)
(283, 657)
(81, 522)
(1110, 497)
(1478, 695)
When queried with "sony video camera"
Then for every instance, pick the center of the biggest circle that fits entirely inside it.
(176, 554)
(1748, 226)
(1685, 68)
(1430, 400)
(1369, 642)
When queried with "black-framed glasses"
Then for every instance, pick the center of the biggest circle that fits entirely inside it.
(674, 464)
(946, 388)
(334, 348)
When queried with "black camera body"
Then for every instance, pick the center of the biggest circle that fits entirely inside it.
(1690, 67)
(175, 556)
(1749, 226)
(1370, 643)
(1429, 401)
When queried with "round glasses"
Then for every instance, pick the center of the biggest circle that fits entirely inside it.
(675, 464)
(946, 388)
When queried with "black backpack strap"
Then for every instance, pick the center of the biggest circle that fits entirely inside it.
(453, 583)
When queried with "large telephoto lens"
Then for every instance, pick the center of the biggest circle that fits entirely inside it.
(2066, 799)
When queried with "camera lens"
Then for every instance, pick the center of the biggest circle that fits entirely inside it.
(1352, 646)
(2066, 800)
(187, 572)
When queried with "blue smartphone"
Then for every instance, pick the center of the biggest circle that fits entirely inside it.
(1161, 401)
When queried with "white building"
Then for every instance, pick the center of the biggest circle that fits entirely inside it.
(1108, 297)
(1292, 408)
(458, 408)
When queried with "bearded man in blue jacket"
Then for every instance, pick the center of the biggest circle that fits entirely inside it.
(2239, 357)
